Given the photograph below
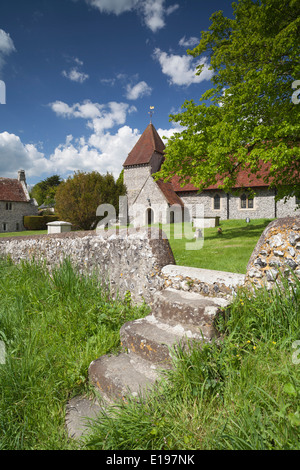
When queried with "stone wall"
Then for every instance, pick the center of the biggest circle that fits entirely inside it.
(128, 261)
(276, 253)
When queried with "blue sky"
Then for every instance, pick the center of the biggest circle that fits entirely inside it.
(81, 75)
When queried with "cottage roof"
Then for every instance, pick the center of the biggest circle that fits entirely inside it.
(12, 190)
(148, 144)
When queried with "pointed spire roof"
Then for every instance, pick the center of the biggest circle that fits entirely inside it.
(148, 144)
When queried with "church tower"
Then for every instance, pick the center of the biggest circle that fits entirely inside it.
(145, 158)
(151, 199)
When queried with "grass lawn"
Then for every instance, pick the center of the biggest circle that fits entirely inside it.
(22, 234)
(229, 251)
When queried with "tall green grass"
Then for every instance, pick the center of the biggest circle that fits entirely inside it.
(238, 393)
(52, 326)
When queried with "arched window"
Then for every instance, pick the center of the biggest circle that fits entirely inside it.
(217, 202)
(149, 216)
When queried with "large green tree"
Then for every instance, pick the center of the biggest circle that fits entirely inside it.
(248, 117)
(45, 190)
(78, 198)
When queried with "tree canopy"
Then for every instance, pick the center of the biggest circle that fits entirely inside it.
(44, 191)
(78, 198)
(248, 119)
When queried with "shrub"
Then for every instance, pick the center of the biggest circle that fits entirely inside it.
(38, 222)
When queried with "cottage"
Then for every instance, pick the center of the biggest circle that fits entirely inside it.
(15, 203)
(152, 201)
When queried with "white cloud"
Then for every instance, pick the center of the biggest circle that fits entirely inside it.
(181, 70)
(113, 6)
(103, 151)
(75, 76)
(99, 116)
(108, 81)
(6, 43)
(188, 42)
(6, 46)
(78, 61)
(138, 91)
(165, 134)
(15, 155)
(154, 14)
(152, 11)
(86, 110)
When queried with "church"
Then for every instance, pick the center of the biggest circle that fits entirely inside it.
(151, 201)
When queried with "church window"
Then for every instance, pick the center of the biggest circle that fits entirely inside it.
(247, 202)
(217, 202)
(149, 216)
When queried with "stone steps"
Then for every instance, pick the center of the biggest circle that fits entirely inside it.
(153, 340)
(117, 376)
(148, 345)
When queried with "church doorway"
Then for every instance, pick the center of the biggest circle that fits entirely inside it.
(149, 216)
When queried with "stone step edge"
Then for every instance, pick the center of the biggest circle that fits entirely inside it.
(155, 344)
(208, 282)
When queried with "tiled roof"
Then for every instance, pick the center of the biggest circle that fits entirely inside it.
(12, 190)
(169, 193)
(148, 144)
(245, 179)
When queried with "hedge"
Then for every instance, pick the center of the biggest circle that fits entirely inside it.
(38, 222)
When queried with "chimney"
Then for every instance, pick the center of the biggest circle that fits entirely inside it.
(21, 176)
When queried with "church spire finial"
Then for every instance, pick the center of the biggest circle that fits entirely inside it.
(151, 112)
